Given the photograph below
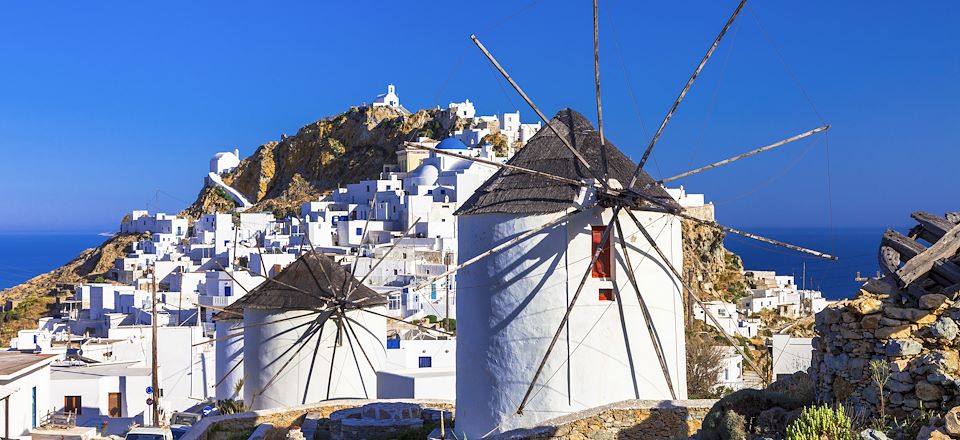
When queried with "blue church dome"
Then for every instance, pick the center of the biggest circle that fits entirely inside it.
(451, 143)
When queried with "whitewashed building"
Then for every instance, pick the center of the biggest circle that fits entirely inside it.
(24, 392)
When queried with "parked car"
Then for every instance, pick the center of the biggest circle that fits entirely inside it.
(149, 433)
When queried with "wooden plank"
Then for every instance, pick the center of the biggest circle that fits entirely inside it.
(948, 270)
(905, 246)
(889, 260)
(944, 248)
(934, 224)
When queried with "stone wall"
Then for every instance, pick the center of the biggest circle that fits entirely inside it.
(239, 426)
(915, 337)
(630, 419)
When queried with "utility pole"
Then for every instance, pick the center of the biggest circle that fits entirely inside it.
(804, 283)
(153, 349)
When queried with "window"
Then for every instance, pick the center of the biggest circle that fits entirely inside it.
(606, 295)
(359, 231)
(113, 403)
(227, 291)
(426, 362)
(601, 269)
(388, 187)
(33, 419)
(72, 404)
(394, 302)
(393, 343)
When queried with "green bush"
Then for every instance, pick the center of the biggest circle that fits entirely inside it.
(821, 422)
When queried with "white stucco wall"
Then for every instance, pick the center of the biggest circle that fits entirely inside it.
(21, 401)
(229, 353)
(510, 305)
(305, 380)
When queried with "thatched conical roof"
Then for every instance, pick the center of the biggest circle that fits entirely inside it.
(515, 192)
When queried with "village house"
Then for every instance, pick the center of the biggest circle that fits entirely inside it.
(24, 392)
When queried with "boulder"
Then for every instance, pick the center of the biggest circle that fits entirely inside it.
(872, 434)
(871, 322)
(865, 305)
(932, 433)
(901, 331)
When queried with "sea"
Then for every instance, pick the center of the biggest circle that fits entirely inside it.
(856, 249)
(23, 256)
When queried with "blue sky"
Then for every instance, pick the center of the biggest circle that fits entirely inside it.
(104, 105)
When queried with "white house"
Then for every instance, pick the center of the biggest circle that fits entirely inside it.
(418, 369)
(225, 162)
(114, 394)
(24, 392)
(731, 376)
(463, 110)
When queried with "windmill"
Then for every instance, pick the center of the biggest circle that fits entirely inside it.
(567, 229)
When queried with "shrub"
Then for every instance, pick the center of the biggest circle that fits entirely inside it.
(821, 422)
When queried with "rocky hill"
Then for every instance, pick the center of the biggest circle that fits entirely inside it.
(37, 297)
(717, 274)
(346, 148)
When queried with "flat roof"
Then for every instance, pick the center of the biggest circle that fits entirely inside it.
(94, 371)
(14, 362)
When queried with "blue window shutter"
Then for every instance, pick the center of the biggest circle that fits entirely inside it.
(426, 362)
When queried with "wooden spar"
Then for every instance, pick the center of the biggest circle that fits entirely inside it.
(917, 266)
(333, 357)
(386, 254)
(305, 339)
(364, 352)
(905, 246)
(421, 327)
(313, 362)
(626, 341)
(219, 309)
(596, 75)
(758, 237)
(353, 351)
(225, 376)
(501, 165)
(746, 155)
(566, 142)
(566, 316)
(648, 319)
(240, 333)
(706, 311)
(495, 249)
(683, 92)
(363, 238)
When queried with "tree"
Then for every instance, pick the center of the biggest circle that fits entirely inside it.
(704, 364)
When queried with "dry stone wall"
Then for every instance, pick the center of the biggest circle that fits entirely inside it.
(916, 337)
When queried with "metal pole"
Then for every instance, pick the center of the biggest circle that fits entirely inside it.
(153, 350)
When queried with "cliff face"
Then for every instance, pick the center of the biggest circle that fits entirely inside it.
(346, 148)
(36, 297)
(717, 273)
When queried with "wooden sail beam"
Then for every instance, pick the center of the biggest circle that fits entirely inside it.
(946, 247)
(596, 76)
(706, 311)
(313, 363)
(333, 358)
(759, 237)
(566, 316)
(353, 351)
(225, 376)
(354, 332)
(385, 255)
(746, 155)
(495, 249)
(419, 326)
(683, 92)
(566, 142)
(240, 333)
(299, 344)
(348, 289)
(647, 317)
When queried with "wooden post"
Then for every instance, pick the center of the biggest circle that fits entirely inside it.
(683, 92)
(6, 418)
(153, 349)
(446, 314)
(596, 75)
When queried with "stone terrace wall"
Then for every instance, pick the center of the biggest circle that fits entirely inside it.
(239, 426)
(915, 337)
(630, 419)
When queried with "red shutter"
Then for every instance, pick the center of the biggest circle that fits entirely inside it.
(601, 269)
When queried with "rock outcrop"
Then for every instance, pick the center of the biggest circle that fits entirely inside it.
(717, 274)
(342, 149)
